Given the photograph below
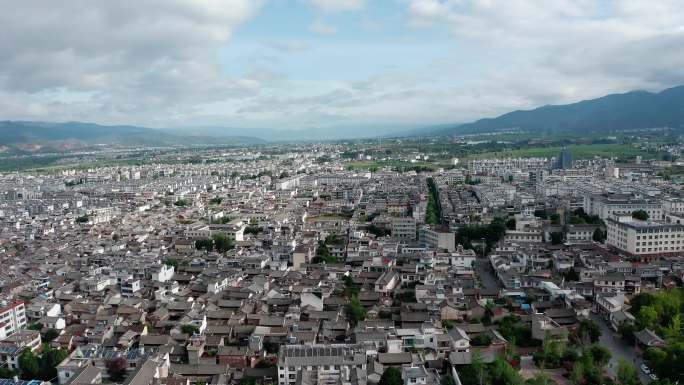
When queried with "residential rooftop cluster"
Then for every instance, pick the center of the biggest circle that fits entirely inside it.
(292, 267)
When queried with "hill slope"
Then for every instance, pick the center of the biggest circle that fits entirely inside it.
(632, 110)
(33, 136)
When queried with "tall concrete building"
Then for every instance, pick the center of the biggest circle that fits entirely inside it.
(564, 161)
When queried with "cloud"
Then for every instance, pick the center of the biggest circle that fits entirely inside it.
(585, 48)
(424, 12)
(322, 29)
(155, 62)
(338, 5)
(288, 46)
(134, 58)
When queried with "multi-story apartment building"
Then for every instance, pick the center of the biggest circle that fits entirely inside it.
(438, 239)
(12, 318)
(646, 239)
(608, 205)
(336, 363)
(404, 228)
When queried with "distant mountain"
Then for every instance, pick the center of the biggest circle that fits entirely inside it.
(44, 136)
(632, 110)
(307, 134)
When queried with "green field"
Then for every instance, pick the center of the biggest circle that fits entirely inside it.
(579, 151)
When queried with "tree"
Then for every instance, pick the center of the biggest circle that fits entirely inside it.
(35, 326)
(29, 364)
(668, 362)
(555, 219)
(647, 317)
(447, 379)
(540, 378)
(556, 238)
(599, 354)
(43, 367)
(116, 368)
(599, 235)
(627, 373)
(391, 376)
(204, 244)
(222, 243)
(181, 203)
(503, 373)
(189, 329)
(572, 275)
(626, 330)
(173, 262)
(640, 215)
(510, 224)
(481, 340)
(355, 311)
(50, 335)
(6, 372)
(589, 330)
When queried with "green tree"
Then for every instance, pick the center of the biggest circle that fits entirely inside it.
(49, 360)
(50, 335)
(640, 214)
(189, 329)
(599, 235)
(222, 243)
(6, 372)
(599, 354)
(181, 203)
(29, 364)
(555, 219)
(589, 331)
(248, 380)
(391, 376)
(647, 317)
(510, 224)
(627, 373)
(171, 262)
(204, 244)
(556, 238)
(355, 311)
(35, 326)
(447, 379)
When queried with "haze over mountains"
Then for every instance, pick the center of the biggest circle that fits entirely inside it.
(632, 110)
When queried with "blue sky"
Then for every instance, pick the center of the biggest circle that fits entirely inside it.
(295, 64)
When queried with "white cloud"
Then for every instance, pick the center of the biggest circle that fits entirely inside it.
(322, 29)
(338, 5)
(140, 59)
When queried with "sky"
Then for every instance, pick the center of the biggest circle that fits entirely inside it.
(307, 64)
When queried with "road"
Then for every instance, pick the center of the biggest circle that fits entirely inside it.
(619, 349)
(486, 274)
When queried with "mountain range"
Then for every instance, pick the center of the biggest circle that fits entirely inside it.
(25, 136)
(632, 110)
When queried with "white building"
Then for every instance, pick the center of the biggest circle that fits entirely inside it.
(163, 273)
(12, 318)
(438, 239)
(646, 239)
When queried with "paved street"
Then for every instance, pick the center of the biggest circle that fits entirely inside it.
(486, 274)
(619, 349)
